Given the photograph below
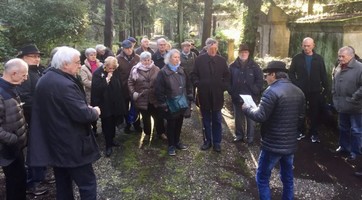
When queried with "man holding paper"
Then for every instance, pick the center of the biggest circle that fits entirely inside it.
(281, 105)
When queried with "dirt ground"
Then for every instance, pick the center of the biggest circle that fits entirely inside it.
(136, 171)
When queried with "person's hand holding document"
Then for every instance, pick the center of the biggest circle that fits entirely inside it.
(248, 101)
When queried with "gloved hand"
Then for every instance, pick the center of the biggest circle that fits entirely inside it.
(135, 96)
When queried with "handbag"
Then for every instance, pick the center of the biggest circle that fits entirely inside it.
(178, 103)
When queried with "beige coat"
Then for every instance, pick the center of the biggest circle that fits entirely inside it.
(86, 76)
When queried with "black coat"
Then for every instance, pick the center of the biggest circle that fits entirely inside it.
(108, 96)
(279, 110)
(211, 77)
(158, 59)
(245, 80)
(317, 81)
(61, 133)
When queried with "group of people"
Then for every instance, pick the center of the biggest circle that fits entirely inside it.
(54, 111)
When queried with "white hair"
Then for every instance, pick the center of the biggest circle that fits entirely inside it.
(100, 47)
(161, 40)
(88, 51)
(145, 55)
(169, 54)
(14, 64)
(64, 56)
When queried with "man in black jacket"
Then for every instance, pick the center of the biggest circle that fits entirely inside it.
(308, 72)
(280, 107)
(31, 55)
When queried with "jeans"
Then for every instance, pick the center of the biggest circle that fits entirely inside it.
(243, 123)
(83, 176)
(267, 161)
(212, 124)
(350, 132)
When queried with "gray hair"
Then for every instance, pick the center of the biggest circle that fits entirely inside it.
(100, 47)
(161, 40)
(210, 41)
(349, 50)
(169, 54)
(145, 55)
(14, 64)
(64, 56)
(89, 51)
(280, 75)
(144, 39)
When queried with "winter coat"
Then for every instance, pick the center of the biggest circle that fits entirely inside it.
(281, 105)
(139, 50)
(108, 96)
(124, 70)
(170, 84)
(144, 86)
(317, 81)
(158, 59)
(347, 88)
(245, 80)
(211, 76)
(61, 134)
(27, 88)
(13, 130)
(187, 62)
(86, 76)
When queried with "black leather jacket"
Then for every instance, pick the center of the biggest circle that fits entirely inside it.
(280, 107)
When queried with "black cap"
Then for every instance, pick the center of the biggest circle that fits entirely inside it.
(28, 49)
(276, 66)
(132, 39)
(244, 47)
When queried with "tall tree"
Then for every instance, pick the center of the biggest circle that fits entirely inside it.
(310, 6)
(206, 30)
(122, 21)
(180, 21)
(251, 23)
(108, 25)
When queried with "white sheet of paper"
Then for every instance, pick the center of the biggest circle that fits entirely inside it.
(248, 100)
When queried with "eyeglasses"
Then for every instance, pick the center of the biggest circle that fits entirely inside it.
(77, 63)
(33, 56)
(266, 74)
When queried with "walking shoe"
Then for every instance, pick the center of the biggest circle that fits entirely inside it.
(301, 136)
(109, 151)
(217, 148)
(340, 150)
(205, 146)
(181, 146)
(36, 190)
(238, 139)
(171, 151)
(163, 136)
(315, 139)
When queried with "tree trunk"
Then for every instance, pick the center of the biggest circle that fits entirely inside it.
(180, 22)
(251, 22)
(206, 30)
(108, 27)
(310, 7)
(122, 29)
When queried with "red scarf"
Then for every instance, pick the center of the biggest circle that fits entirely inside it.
(93, 65)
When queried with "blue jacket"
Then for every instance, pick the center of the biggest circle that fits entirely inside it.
(61, 123)
(280, 107)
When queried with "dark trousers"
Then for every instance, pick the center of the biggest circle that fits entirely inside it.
(83, 176)
(109, 129)
(146, 119)
(15, 179)
(35, 175)
(174, 126)
(313, 102)
(212, 122)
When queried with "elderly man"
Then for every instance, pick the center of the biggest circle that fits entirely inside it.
(103, 52)
(158, 56)
(281, 105)
(145, 46)
(13, 131)
(31, 55)
(246, 79)
(61, 127)
(126, 60)
(347, 99)
(308, 72)
(211, 77)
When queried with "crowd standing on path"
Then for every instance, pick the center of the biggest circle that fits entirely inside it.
(65, 100)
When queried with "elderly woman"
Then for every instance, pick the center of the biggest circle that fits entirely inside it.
(91, 63)
(173, 92)
(106, 93)
(141, 87)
